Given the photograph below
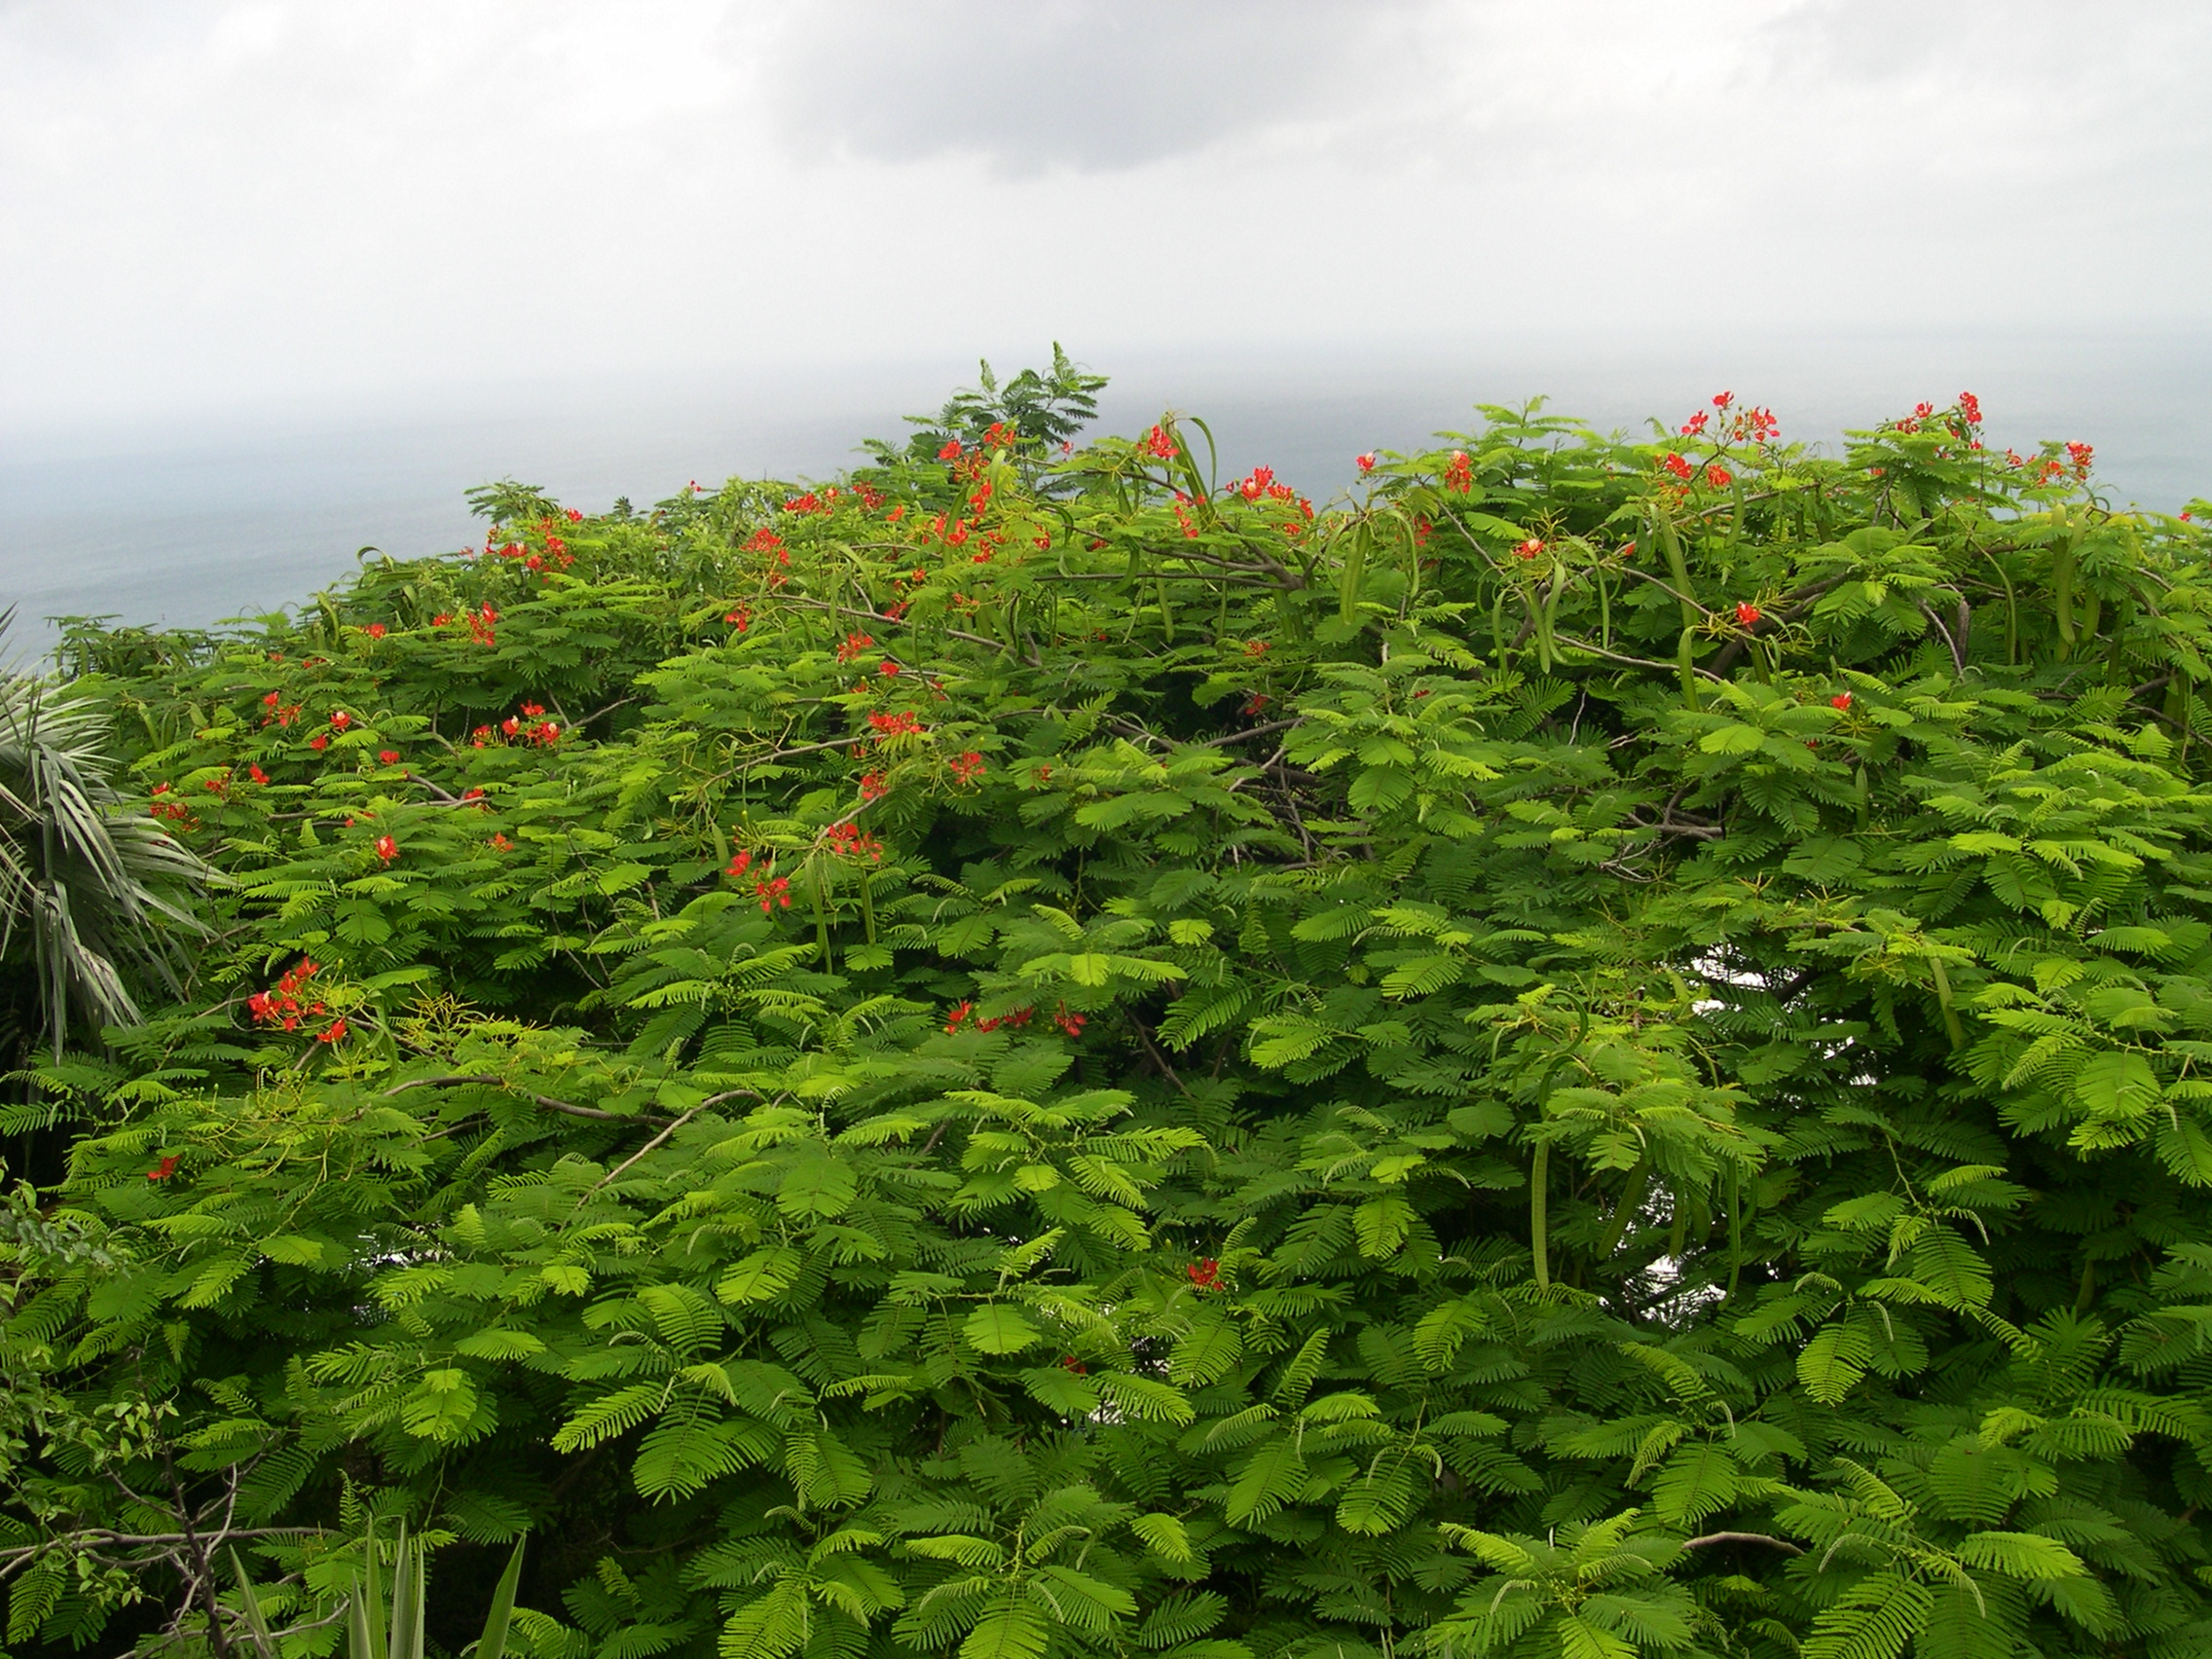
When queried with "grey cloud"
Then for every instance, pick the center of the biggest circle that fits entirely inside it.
(1032, 87)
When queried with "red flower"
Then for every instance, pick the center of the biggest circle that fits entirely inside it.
(253, 770)
(390, 757)
(968, 767)
(853, 645)
(164, 1169)
(1256, 702)
(740, 618)
(387, 848)
(441, 619)
(320, 740)
(900, 725)
(774, 891)
(740, 861)
(1069, 1362)
(1204, 1274)
(2080, 456)
(1259, 484)
(501, 843)
(1159, 444)
(1971, 407)
(887, 667)
(1679, 467)
(958, 1016)
(1716, 476)
(1365, 462)
(1530, 548)
(1695, 424)
(1747, 615)
(574, 517)
(872, 786)
(1721, 400)
(340, 720)
(533, 710)
(375, 629)
(1071, 1023)
(1459, 474)
(1257, 648)
(952, 450)
(1841, 700)
(335, 1035)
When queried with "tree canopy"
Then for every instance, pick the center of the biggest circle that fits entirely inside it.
(1588, 1051)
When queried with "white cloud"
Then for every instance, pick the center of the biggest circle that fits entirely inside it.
(226, 202)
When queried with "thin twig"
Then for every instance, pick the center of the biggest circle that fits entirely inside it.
(546, 1100)
(1782, 1544)
(1255, 731)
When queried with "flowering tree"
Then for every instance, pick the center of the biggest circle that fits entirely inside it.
(1590, 1052)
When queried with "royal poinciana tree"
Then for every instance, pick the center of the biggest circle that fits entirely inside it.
(1590, 1052)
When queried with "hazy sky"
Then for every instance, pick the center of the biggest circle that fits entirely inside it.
(215, 205)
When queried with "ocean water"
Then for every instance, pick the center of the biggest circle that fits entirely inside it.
(196, 521)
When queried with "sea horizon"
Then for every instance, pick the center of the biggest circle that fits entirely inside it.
(191, 521)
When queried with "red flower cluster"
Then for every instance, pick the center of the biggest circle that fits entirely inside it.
(280, 1006)
(1971, 407)
(1204, 1274)
(375, 629)
(390, 757)
(1071, 1023)
(501, 843)
(968, 767)
(280, 713)
(873, 786)
(1261, 482)
(543, 732)
(1257, 648)
(253, 770)
(849, 840)
(1000, 435)
(335, 1033)
(1016, 1017)
(387, 849)
(896, 725)
(741, 618)
(1716, 476)
(1459, 474)
(773, 891)
(952, 450)
(1183, 517)
(1747, 615)
(1365, 462)
(1530, 548)
(173, 809)
(1841, 700)
(1159, 444)
(574, 516)
(1679, 467)
(480, 625)
(853, 645)
(740, 861)
(340, 720)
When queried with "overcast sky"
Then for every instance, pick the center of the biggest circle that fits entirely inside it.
(221, 205)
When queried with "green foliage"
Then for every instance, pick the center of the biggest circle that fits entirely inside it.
(1591, 1051)
(92, 894)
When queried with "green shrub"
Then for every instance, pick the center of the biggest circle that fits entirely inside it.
(1590, 1052)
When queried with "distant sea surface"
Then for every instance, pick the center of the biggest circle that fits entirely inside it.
(196, 522)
